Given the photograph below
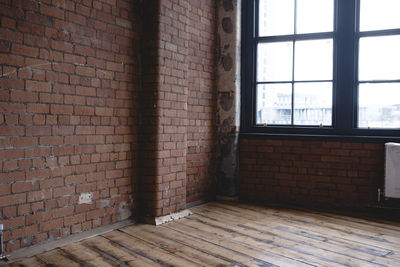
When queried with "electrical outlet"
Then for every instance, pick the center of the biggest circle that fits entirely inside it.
(85, 198)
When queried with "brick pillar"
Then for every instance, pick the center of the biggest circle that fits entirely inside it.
(164, 107)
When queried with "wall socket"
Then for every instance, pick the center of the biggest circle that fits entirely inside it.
(86, 198)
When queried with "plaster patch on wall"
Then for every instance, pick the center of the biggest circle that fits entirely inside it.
(124, 210)
(85, 198)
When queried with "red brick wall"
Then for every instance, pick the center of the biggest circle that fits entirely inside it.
(165, 111)
(311, 172)
(201, 131)
(178, 107)
(68, 118)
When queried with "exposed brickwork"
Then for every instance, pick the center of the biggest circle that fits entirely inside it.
(310, 172)
(202, 101)
(68, 119)
(165, 90)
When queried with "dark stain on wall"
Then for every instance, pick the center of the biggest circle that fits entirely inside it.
(226, 101)
(228, 5)
(227, 62)
(227, 25)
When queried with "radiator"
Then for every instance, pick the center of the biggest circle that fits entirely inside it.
(392, 170)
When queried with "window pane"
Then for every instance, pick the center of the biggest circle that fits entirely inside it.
(314, 16)
(379, 14)
(379, 58)
(379, 105)
(313, 60)
(276, 17)
(313, 104)
(274, 103)
(274, 61)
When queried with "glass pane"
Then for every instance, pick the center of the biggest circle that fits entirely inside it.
(313, 104)
(379, 105)
(313, 60)
(274, 61)
(314, 16)
(379, 15)
(379, 58)
(276, 17)
(274, 103)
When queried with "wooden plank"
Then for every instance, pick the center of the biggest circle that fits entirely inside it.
(149, 251)
(56, 257)
(112, 250)
(283, 243)
(28, 262)
(148, 233)
(205, 232)
(81, 253)
(303, 236)
(357, 223)
(237, 248)
(388, 242)
(227, 252)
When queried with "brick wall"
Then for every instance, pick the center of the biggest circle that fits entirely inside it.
(68, 120)
(311, 172)
(165, 91)
(201, 131)
(178, 130)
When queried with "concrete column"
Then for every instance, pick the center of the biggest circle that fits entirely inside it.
(228, 83)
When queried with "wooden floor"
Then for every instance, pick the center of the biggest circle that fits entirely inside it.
(237, 235)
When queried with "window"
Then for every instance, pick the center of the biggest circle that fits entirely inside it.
(321, 67)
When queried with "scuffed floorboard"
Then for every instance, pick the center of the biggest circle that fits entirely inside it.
(237, 235)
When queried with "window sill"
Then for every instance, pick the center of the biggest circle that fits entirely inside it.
(319, 137)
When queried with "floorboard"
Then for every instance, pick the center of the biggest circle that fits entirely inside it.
(220, 234)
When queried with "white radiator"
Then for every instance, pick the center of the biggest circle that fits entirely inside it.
(392, 170)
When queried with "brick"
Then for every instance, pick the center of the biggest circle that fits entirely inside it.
(86, 91)
(38, 86)
(12, 131)
(63, 191)
(77, 218)
(50, 225)
(14, 199)
(52, 11)
(24, 50)
(12, 36)
(36, 41)
(6, 83)
(38, 108)
(85, 71)
(61, 109)
(23, 96)
(76, 18)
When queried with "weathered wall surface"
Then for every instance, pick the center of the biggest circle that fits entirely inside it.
(165, 92)
(201, 131)
(68, 120)
(179, 132)
(228, 104)
(115, 98)
(311, 172)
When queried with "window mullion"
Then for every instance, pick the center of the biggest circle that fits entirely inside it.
(293, 58)
(345, 93)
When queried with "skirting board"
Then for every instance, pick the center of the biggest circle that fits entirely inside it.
(167, 218)
(52, 244)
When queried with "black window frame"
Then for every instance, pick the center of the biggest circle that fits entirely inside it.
(345, 81)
